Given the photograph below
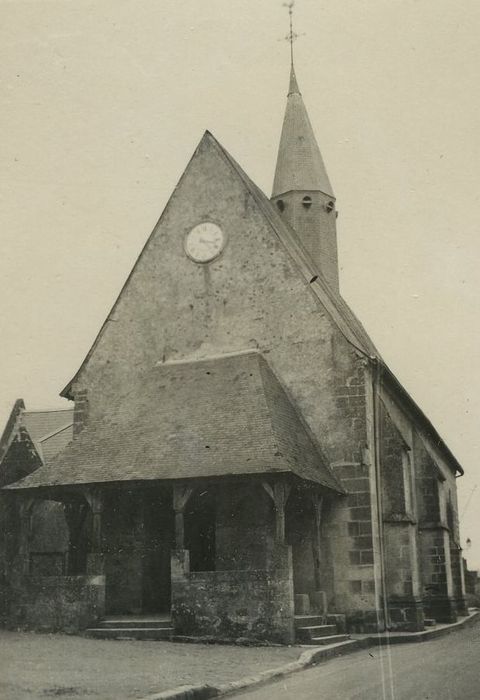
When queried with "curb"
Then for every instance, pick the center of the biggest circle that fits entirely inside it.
(308, 658)
(426, 635)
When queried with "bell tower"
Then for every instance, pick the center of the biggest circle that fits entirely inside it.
(301, 189)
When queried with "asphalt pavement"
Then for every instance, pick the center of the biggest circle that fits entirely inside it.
(447, 668)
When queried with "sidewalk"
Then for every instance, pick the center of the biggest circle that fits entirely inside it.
(34, 666)
(438, 630)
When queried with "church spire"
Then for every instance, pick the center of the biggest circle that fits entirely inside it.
(293, 87)
(301, 187)
(300, 164)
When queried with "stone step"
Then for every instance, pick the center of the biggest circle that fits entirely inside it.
(308, 620)
(145, 633)
(137, 623)
(332, 639)
(305, 634)
(429, 622)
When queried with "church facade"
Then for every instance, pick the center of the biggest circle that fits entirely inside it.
(241, 457)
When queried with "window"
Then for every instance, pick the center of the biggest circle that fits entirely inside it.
(407, 482)
(307, 202)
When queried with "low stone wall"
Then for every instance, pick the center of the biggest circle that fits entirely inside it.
(56, 603)
(251, 604)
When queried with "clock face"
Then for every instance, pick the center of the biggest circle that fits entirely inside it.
(204, 242)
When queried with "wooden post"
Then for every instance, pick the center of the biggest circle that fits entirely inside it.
(279, 494)
(95, 501)
(317, 502)
(181, 496)
(26, 507)
(95, 564)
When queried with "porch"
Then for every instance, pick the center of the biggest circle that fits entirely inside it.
(224, 557)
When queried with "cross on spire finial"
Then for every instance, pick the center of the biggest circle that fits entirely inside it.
(291, 36)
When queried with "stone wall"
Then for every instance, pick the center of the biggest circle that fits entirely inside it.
(56, 603)
(253, 604)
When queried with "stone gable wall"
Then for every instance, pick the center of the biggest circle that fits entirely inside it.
(251, 297)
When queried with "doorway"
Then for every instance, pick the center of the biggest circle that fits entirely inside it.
(138, 538)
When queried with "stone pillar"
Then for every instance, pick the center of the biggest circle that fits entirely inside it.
(458, 575)
(179, 564)
(405, 605)
(433, 538)
(439, 600)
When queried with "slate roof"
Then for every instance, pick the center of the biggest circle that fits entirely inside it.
(49, 431)
(41, 424)
(300, 164)
(200, 419)
(32, 438)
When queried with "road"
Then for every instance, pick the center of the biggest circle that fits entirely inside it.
(447, 668)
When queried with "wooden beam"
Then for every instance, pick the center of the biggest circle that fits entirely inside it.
(181, 496)
(94, 498)
(279, 494)
(317, 502)
(25, 511)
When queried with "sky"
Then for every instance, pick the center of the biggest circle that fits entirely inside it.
(104, 101)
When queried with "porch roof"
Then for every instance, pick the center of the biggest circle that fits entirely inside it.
(222, 416)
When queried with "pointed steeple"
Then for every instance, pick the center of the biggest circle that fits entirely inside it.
(299, 163)
(301, 188)
(293, 87)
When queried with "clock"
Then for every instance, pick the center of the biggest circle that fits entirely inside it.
(204, 242)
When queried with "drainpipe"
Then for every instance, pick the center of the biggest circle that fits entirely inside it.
(376, 379)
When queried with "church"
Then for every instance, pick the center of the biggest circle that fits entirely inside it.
(239, 462)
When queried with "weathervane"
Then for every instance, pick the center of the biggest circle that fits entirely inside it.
(291, 36)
